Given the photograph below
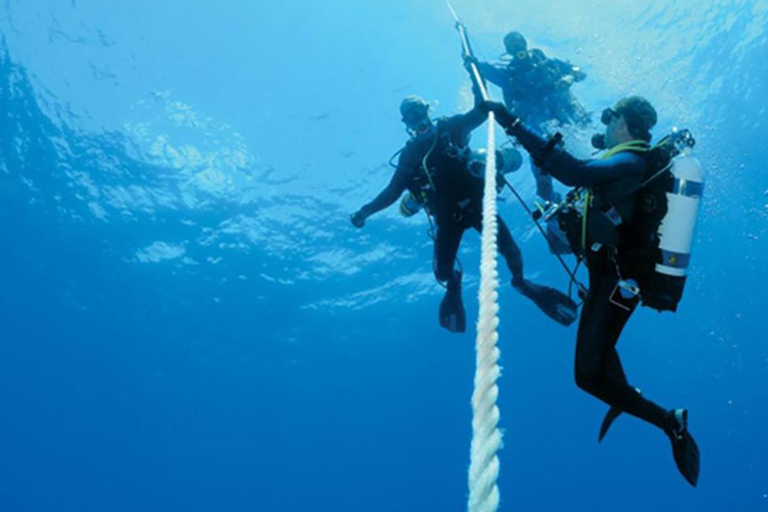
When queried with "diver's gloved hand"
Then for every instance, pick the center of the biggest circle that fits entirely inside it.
(358, 219)
(578, 74)
(504, 117)
(565, 83)
(469, 60)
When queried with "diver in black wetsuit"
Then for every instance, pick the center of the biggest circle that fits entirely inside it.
(538, 89)
(615, 182)
(433, 167)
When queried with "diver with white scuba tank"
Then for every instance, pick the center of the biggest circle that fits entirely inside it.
(632, 221)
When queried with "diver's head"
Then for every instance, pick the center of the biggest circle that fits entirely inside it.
(630, 119)
(415, 114)
(516, 46)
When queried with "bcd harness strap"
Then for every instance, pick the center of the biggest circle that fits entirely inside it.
(637, 146)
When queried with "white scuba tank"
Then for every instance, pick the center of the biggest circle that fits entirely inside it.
(677, 227)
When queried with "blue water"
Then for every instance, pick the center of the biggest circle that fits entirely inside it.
(189, 322)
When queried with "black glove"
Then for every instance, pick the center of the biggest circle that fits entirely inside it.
(565, 83)
(358, 219)
(578, 74)
(469, 60)
(504, 117)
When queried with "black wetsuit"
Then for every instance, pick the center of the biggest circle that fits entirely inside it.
(452, 194)
(536, 90)
(598, 369)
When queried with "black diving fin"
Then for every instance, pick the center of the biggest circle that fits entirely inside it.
(610, 417)
(554, 303)
(452, 314)
(684, 448)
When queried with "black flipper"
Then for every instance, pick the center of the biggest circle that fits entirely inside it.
(452, 315)
(610, 416)
(684, 448)
(555, 304)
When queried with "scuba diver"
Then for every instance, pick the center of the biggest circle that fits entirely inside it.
(435, 167)
(535, 86)
(635, 233)
(537, 89)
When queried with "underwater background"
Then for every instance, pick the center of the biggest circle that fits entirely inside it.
(188, 320)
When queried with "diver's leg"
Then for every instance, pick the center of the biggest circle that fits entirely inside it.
(598, 367)
(613, 367)
(599, 372)
(447, 241)
(511, 252)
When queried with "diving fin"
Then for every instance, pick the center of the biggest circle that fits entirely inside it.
(610, 417)
(555, 304)
(684, 448)
(452, 315)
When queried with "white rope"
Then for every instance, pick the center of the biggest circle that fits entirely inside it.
(486, 437)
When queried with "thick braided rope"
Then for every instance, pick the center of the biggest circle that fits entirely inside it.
(486, 437)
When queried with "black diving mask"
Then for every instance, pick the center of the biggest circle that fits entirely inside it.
(418, 125)
(608, 115)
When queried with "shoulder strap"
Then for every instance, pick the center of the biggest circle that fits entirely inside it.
(635, 146)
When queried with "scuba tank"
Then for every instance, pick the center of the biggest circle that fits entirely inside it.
(655, 249)
(508, 160)
(662, 285)
(410, 205)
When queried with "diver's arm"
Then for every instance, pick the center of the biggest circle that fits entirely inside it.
(559, 163)
(390, 194)
(578, 74)
(385, 199)
(569, 73)
(461, 125)
(493, 74)
(572, 171)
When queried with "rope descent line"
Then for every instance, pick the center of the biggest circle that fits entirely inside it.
(486, 436)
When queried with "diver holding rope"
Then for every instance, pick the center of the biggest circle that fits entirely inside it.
(435, 168)
(634, 230)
